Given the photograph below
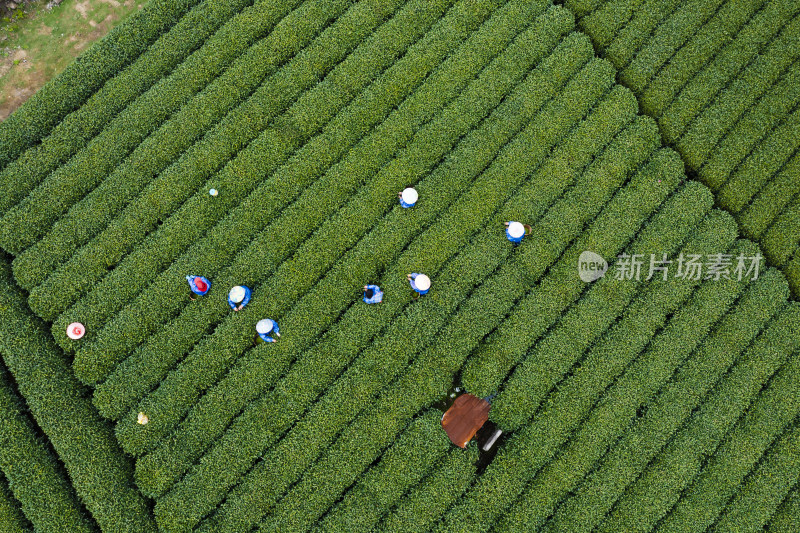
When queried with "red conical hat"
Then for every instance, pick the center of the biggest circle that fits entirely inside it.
(200, 284)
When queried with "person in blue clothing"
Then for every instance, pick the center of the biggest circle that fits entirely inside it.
(515, 231)
(238, 297)
(408, 197)
(199, 285)
(372, 294)
(420, 283)
(265, 327)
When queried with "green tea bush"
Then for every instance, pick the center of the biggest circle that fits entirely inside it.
(703, 135)
(490, 363)
(667, 411)
(99, 471)
(79, 127)
(11, 511)
(787, 514)
(740, 140)
(70, 89)
(535, 443)
(770, 201)
(684, 331)
(690, 58)
(373, 369)
(373, 255)
(243, 174)
(667, 38)
(792, 270)
(766, 160)
(765, 487)
(603, 23)
(736, 456)
(425, 503)
(703, 88)
(401, 467)
(26, 222)
(681, 460)
(34, 474)
(95, 211)
(363, 158)
(634, 36)
(782, 239)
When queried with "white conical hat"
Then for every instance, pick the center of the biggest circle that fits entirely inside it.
(237, 294)
(516, 230)
(410, 195)
(75, 330)
(264, 326)
(422, 282)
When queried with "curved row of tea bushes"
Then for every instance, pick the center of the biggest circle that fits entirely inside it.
(237, 180)
(34, 474)
(688, 327)
(135, 375)
(787, 513)
(26, 222)
(765, 487)
(80, 126)
(417, 511)
(493, 360)
(98, 208)
(771, 200)
(373, 255)
(11, 511)
(680, 461)
(535, 443)
(402, 466)
(100, 473)
(386, 357)
(663, 415)
(70, 89)
(769, 415)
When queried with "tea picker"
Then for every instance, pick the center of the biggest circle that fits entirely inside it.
(238, 297)
(265, 327)
(408, 197)
(420, 283)
(199, 285)
(372, 294)
(515, 231)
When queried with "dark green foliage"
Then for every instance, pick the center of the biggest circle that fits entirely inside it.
(782, 239)
(78, 128)
(34, 474)
(101, 475)
(65, 93)
(788, 513)
(11, 517)
(771, 200)
(674, 404)
(646, 501)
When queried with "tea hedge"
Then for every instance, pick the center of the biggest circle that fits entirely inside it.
(487, 367)
(99, 471)
(663, 415)
(634, 35)
(425, 503)
(535, 443)
(787, 513)
(782, 239)
(343, 281)
(644, 502)
(362, 158)
(88, 217)
(10, 510)
(765, 487)
(35, 476)
(367, 259)
(400, 468)
(273, 147)
(688, 327)
(305, 439)
(765, 420)
(26, 222)
(80, 79)
(744, 136)
(78, 128)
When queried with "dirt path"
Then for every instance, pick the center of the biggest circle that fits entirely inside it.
(41, 43)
